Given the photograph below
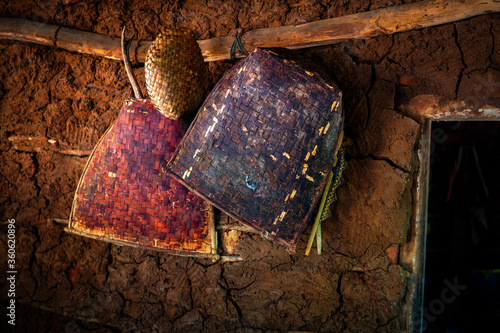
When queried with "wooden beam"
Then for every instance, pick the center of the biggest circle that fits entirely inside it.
(384, 21)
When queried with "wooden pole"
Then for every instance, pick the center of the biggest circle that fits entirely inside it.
(384, 21)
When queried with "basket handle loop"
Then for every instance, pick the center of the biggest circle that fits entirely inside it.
(128, 67)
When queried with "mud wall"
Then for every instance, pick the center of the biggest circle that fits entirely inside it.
(54, 106)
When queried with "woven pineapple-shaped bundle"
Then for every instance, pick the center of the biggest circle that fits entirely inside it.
(176, 74)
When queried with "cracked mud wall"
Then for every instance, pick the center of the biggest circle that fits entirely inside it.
(67, 282)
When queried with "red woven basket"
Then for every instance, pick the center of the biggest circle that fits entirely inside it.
(124, 196)
(263, 143)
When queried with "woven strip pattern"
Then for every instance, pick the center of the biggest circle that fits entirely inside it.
(263, 143)
(337, 180)
(176, 75)
(123, 194)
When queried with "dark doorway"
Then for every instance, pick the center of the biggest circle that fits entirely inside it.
(462, 257)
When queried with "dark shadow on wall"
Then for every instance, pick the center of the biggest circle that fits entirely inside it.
(462, 264)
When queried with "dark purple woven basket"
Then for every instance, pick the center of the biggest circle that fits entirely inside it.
(263, 143)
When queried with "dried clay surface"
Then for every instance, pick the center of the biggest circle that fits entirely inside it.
(55, 105)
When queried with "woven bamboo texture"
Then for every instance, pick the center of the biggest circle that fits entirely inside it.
(176, 75)
(263, 143)
(125, 197)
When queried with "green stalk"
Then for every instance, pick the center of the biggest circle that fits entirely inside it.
(319, 243)
(320, 210)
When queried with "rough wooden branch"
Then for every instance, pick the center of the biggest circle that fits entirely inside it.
(384, 21)
(65, 222)
(36, 144)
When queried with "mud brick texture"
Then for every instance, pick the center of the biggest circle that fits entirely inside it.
(263, 143)
(125, 197)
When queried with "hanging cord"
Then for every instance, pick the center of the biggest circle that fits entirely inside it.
(237, 43)
(128, 66)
